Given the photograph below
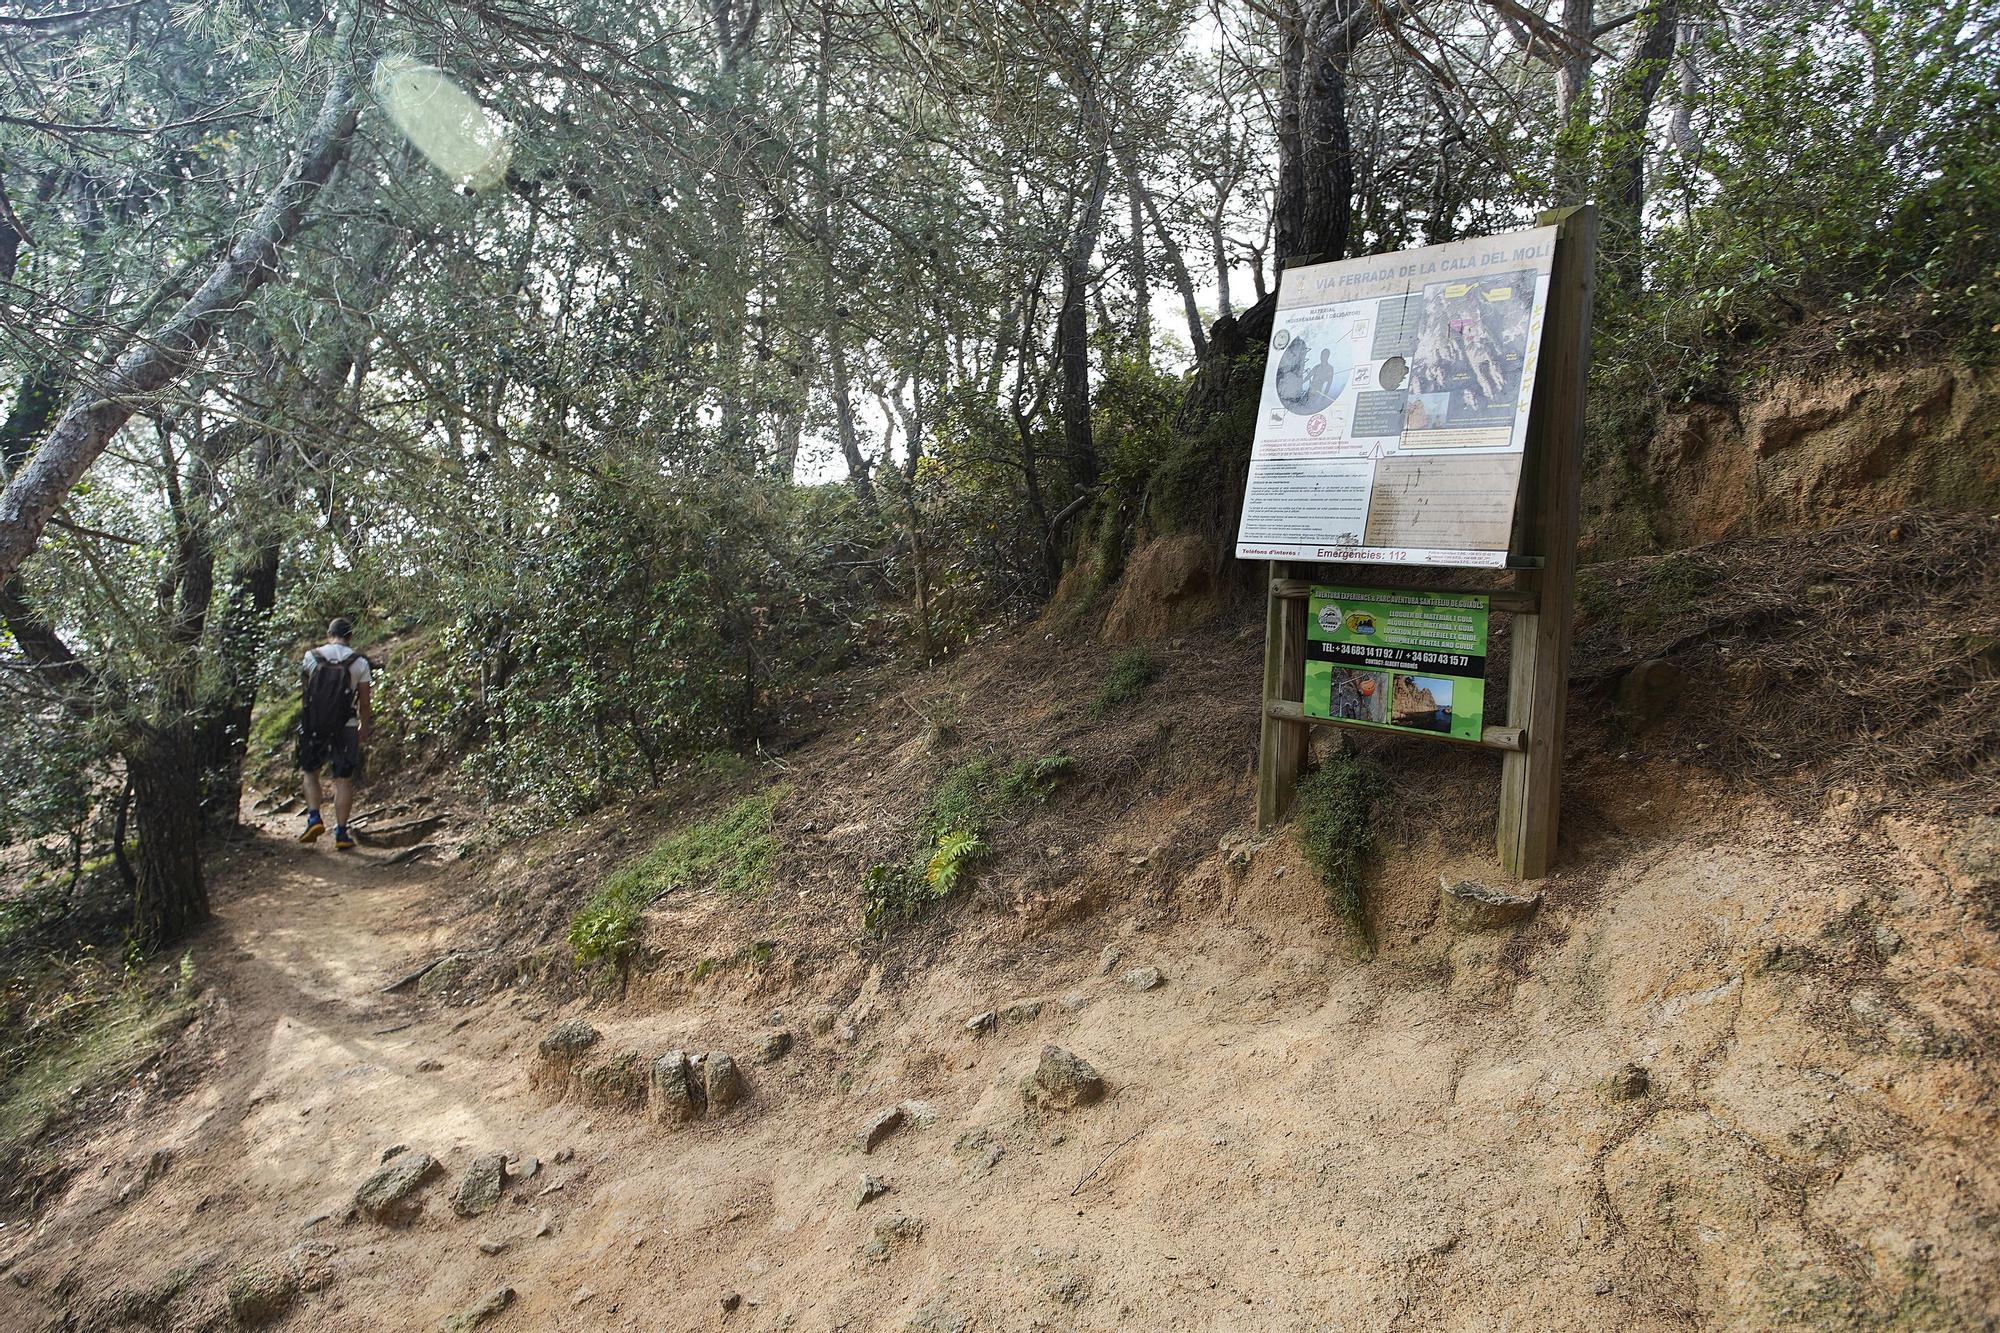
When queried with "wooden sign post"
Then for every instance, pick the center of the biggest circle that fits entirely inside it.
(1543, 561)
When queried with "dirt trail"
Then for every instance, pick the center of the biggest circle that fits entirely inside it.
(1293, 1138)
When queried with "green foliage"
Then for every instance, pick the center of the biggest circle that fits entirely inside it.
(1334, 814)
(730, 853)
(954, 855)
(1130, 674)
(950, 837)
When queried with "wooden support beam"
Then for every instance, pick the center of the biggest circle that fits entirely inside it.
(1510, 601)
(1281, 742)
(1546, 526)
(1490, 738)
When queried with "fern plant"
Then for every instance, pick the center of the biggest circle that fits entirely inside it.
(952, 858)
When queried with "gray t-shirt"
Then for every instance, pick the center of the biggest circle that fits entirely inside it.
(357, 667)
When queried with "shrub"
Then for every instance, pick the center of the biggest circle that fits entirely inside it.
(951, 837)
(1334, 812)
(1134, 670)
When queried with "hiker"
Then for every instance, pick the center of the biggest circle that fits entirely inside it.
(335, 683)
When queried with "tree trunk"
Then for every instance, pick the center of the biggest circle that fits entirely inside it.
(1073, 327)
(1572, 181)
(171, 896)
(39, 488)
(1142, 294)
(1314, 212)
(1625, 136)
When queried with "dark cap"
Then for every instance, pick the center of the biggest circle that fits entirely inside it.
(340, 628)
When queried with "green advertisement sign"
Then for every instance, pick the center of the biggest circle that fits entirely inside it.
(1408, 661)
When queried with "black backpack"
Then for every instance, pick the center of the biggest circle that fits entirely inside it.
(328, 701)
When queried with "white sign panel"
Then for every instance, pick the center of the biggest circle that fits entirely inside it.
(1395, 405)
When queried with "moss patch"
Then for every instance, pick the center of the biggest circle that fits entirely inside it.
(730, 853)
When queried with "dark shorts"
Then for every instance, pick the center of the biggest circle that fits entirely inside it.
(342, 755)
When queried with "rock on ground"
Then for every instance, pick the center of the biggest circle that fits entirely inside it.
(671, 1091)
(1470, 905)
(1063, 1080)
(879, 1127)
(481, 1186)
(722, 1079)
(568, 1039)
(492, 1303)
(1624, 1084)
(261, 1293)
(561, 1047)
(1144, 978)
(390, 1196)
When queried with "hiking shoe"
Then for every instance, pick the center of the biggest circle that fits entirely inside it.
(314, 826)
(342, 839)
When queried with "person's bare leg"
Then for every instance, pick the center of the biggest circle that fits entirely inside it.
(312, 790)
(343, 800)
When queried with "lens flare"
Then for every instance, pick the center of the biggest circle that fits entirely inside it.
(461, 138)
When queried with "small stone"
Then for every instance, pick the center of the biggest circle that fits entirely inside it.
(563, 1155)
(730, 1300)
(871, 1189)
(822, 1018)
(672, 1094)
(1143, 978)
(261, 1293)
(774, 1046)
(879, 1127)
(1470, 905)
(1063, 1080)
(724, 1081)
(390, 1195)
(523, 1168)
(1627, 1083)
(488, 1245)
(485, 1180)
(896, 1230)
(545, 1224)
(1023, 1011)
(394, 1150)
(429, 1066)
(492, 1303)
(583, 1294)
(981, 1024)
(1108, 959)
(567, 1040)
(1649, 692)
(445, 975)
(1074, 1001)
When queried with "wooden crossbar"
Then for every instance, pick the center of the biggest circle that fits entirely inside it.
(1490, 738)
(1512, 601)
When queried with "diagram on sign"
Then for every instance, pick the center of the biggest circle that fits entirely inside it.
(1395, 405)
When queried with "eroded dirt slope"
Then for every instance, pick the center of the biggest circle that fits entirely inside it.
(1736, 1072)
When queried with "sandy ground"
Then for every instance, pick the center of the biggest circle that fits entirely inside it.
(1295, 1137)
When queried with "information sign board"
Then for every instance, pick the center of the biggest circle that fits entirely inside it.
(1395, 405)
(1411, 661)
